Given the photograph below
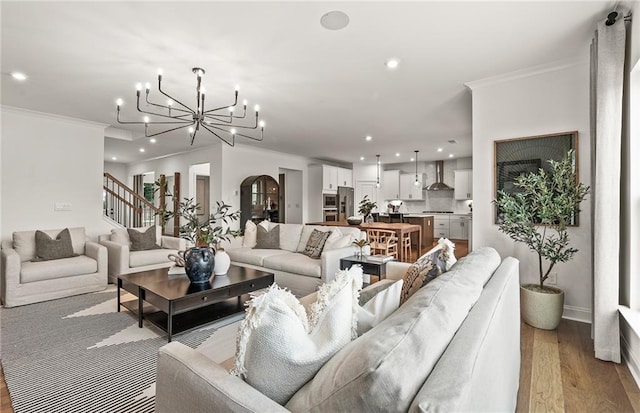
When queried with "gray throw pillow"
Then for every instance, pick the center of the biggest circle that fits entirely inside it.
(268, 240)
(53, 249)
(316, 242)
(143, 241)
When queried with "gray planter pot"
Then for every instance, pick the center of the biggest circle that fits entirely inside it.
(541, 309)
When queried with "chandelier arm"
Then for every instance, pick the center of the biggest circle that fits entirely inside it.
(168, 130)
(230, 121)
(166, 106)
(172, 98)
(223, 107)
(176, 120)
(242, 134)
(218, 116)
(233, 141)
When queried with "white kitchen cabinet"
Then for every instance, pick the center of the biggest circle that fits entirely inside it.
(441, 227)
(345, 177)
(409, 191)
(463, 180)
(390, 185)
(329, 179)
(459, 227)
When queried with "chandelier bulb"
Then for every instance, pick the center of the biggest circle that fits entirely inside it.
(169, 102)
(146, 119)
(138, 87)
(237, 88)
(159, 71)
(202, 91)
(233, 131)
(244, 102)
(147, 86)
(191, 130)
(256, 108)
(262, 124)
(231, 109)
(119, 103)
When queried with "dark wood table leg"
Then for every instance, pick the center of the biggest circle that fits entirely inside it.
(140, 306)
(170, 322)
(119, 287)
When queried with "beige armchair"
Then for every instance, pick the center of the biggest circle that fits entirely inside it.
(25, 281)
(124, 261)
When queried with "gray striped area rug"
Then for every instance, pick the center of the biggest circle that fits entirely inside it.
(78, 354)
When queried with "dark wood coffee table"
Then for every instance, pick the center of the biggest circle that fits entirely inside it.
(176, 305)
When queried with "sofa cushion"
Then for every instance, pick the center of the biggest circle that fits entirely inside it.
(278, 339)
(50, 248)
(315, 244)
(379, 307)
(290, 236)
(253, 256)
(250, 234)
(375, 366)
(268, 239)
(143, 240)
(24, 242)
(306, 233)
(150, 257)
(64, 267)
(295, 263)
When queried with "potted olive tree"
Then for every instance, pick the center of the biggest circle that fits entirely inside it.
(538, 214)
(205, 236)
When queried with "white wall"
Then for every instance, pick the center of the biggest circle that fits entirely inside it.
(48, 159)
(293, 201)
(117, 170)
(242, 161)
(542, 101)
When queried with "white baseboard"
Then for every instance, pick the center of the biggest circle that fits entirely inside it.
(631, 362)
(577, 314)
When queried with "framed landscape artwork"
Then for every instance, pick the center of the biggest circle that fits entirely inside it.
(517, 156)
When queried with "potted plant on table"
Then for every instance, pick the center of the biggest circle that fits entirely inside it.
(205, 235)
(365, 207)
(538, 215)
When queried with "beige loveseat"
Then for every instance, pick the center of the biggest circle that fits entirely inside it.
(292, 269)
(453, 346)
(25, 281)
(124, 261)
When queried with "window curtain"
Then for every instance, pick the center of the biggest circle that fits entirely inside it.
(607, 75)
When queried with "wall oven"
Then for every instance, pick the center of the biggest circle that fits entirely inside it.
(330, 201)
(330, 215)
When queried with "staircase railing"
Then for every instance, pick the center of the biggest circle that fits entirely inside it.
(126, 207)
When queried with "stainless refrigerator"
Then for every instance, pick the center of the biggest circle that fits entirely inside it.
(345, 203)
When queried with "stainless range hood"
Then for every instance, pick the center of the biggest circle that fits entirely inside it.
(439, 184)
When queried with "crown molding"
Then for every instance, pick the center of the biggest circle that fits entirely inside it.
(52, 116)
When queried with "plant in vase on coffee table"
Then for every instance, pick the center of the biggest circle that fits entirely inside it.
(201, 261)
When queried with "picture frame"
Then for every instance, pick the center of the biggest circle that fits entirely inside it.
(516, 156)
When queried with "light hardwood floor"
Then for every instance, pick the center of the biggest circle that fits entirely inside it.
(559, 373)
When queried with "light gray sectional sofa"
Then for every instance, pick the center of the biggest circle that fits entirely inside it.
(453, 346)
(25, 281)
(294, 270)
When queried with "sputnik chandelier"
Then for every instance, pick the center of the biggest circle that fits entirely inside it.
(218, 121)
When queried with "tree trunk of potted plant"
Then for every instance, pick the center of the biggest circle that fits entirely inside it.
(538, 216)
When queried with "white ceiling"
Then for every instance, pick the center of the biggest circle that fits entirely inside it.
(320, 91)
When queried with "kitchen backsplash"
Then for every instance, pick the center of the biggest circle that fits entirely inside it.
(436, 201)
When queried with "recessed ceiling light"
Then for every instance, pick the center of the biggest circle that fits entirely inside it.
(397, 153)
(141, 149)
(362, 158)
(113, 158)
(18, 76)
(450, 155)
(367, 138)
(439, 149)
(334, 20)
(392, 63)
(152, 140)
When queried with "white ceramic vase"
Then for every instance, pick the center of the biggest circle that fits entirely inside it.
(222, 262)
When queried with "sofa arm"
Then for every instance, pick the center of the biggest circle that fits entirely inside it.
(396, 270)
(11, 266)
(187, 381)
(173, 243)
(330, 261)
(99, 253)
(118, 258)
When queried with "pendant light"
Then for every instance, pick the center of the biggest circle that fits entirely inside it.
(417, 182)
(378, 171)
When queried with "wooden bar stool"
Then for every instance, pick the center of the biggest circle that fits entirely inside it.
(382, 241)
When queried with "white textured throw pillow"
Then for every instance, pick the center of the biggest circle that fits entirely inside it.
(381, 306)
(250, 235)
(280, 347)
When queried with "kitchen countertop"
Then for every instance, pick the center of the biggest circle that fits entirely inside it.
(419, 215)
